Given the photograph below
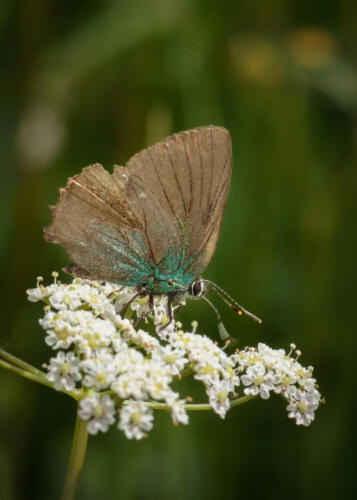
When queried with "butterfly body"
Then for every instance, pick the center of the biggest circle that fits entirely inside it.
(166, 277)
(152, 224)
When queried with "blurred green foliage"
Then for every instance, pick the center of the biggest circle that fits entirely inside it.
(99, 80)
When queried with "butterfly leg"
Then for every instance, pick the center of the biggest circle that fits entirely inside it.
(125, 306)
(144, 316)
(170, 313)
(118, 290)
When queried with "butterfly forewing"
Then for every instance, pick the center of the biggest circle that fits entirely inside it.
(189, 175)
(162, 211)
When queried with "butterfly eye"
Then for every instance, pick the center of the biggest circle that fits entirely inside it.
(197, 288)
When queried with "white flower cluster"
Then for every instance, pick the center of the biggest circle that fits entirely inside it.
(123, 370)
(265, 370)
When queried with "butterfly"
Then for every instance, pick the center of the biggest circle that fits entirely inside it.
(154, 223)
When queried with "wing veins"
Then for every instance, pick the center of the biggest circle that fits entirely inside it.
(145, 223)
(176, 178)
(212, 170)
(201, 168)
(190, 172)
(135, 258)
(219, 188)
(101, 200)
(162, 186)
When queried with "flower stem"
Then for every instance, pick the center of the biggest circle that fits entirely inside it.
(35, 375)
(31, 376)
(22, 364)
(205, 407)
(187, 371)
(199, 407)
(76, 460)
(128, 313)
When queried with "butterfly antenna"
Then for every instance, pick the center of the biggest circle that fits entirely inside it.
(225, 337)
(233, 304)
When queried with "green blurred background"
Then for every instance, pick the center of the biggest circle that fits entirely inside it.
(99, 80)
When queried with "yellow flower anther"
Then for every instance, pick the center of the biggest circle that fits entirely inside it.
(98, 411)
(65, 368)
(136, 417)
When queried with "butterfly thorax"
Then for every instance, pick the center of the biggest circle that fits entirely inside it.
(163, 284)
(169, 285)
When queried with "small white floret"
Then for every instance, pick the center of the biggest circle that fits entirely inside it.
(63, 371)
(99, 410)
(136, 419)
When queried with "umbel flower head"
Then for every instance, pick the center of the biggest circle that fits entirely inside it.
(122, 373)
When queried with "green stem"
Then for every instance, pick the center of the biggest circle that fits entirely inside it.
(205, 407)
(187, 371)
(22, 364)
(78, 452)
(189, 407)
(200, 407)
(30, 376)
(40, 379)
(128, 313)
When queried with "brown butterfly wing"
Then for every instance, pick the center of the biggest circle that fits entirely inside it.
(95, 224)
(189, 175)
(168, 197)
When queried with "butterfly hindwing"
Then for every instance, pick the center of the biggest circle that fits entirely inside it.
(93, 222)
